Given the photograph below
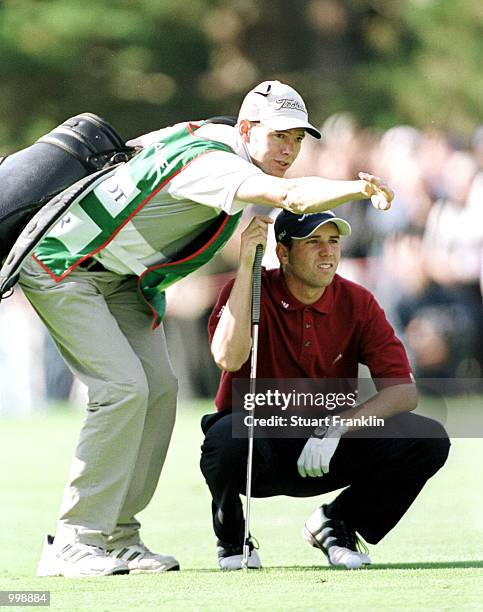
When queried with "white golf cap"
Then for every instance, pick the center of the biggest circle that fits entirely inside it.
(278, 106)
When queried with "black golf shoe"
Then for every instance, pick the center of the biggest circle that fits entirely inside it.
(336, 540)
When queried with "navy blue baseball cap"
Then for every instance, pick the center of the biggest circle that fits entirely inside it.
(290, 225)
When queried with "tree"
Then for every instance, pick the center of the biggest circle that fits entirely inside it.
(145, 63)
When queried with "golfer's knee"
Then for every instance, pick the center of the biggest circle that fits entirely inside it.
(440, 451)
(221, 455)
(435, 450)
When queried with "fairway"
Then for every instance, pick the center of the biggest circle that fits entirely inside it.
(433, 560)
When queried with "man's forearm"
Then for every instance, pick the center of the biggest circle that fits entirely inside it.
(304, 195)
(232, 339)
(315, 194)
(385, 404)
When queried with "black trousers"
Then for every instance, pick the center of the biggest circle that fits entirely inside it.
(382, 476)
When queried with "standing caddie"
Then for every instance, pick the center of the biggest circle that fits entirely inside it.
(97, 280)
(315, 325)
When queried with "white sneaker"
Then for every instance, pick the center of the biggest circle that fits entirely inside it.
(141, 560)
(333, 537)
(77, 560)
(231, 557)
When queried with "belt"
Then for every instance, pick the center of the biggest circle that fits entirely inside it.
(92, 265)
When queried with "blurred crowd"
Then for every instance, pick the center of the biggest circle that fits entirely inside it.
(423, 260)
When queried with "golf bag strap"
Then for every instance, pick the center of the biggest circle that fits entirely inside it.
(38, 226)
(223, 119)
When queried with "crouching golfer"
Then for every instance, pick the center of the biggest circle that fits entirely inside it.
(98, 277)
(315, 324)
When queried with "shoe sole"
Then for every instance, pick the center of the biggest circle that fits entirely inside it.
(237, 569)
(118, 572)
(174, 568)
(42, 573)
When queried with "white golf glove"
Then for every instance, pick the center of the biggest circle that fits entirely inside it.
(315, 457)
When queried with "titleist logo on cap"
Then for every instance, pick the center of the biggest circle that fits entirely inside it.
(290, 103)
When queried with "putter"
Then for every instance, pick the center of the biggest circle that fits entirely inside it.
(256, 287)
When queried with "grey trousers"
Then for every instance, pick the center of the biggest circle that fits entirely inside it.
(103, 331)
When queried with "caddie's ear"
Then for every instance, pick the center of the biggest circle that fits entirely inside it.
(282, 253)
(244, 127)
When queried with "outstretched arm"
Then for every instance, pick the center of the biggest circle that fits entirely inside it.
(313, 194)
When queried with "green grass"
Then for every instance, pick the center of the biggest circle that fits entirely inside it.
(433, 560)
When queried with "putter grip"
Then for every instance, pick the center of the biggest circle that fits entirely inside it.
(257, 282)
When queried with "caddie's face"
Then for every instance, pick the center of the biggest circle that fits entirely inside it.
(272, 151)
(311, 263)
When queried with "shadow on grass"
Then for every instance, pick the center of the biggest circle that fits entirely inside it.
(428, 565)
(376, 566)
(431, 565)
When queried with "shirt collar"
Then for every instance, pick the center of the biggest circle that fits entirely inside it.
(228, 135)
(287, 301)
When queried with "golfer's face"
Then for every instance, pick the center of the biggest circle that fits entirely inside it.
(313, 261)
(274, 151)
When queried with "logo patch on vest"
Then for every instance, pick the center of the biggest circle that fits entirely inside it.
(117, 191)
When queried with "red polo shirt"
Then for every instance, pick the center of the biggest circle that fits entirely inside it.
(327, 339)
